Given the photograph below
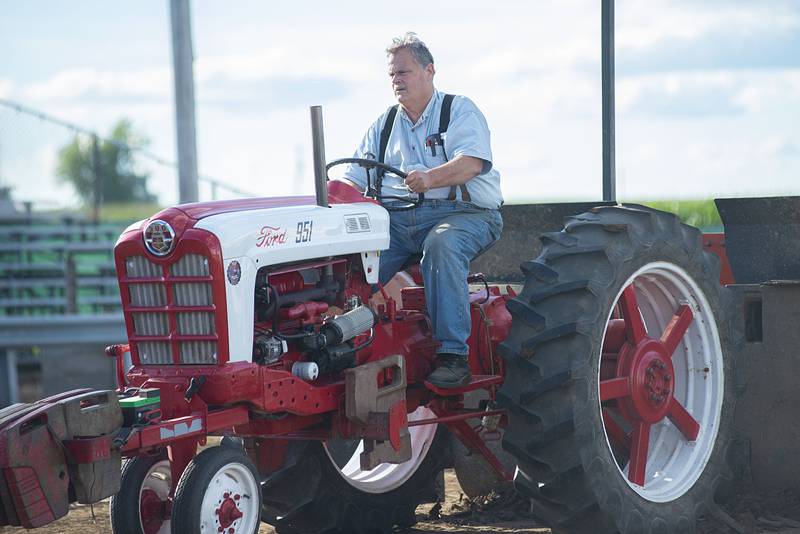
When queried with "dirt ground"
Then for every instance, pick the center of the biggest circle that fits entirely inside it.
(496, 514)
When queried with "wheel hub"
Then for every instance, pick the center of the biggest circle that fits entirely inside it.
(652, 375)
(228, 512)
(151, 510)
(658, 383)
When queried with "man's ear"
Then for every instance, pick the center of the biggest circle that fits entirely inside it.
(430, 69)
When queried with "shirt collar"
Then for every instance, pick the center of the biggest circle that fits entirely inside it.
(427, 111)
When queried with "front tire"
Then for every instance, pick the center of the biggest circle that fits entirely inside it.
(140, 506)
(619, 394)
(218, 492)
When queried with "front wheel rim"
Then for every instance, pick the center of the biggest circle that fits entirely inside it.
(230, 503)
(661, 381)
(153, 496)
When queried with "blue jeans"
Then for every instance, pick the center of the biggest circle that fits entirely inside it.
(449, 234)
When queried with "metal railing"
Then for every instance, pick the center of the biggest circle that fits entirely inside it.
(46, 270)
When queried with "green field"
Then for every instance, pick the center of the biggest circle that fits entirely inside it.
(699, 213)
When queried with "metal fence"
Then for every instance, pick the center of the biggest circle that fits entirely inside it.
(31, 145)
(64, 269)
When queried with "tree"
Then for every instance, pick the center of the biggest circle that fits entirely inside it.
(111, 162)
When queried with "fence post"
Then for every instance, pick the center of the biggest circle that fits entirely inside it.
(97, 193)
(9, 386)
(72, 291)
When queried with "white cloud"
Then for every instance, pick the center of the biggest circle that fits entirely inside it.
(6, 88)
(701, 93)
(642, 25)
(72, 84)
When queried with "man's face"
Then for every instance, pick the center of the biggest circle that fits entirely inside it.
(412, 84)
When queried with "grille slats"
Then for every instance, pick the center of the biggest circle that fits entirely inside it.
(192, 294)
(190, 265)
(141, 267)
(195, 323)
(153, 294)
(155, 352)
(198, 352)
(151, 324)
(148, 295)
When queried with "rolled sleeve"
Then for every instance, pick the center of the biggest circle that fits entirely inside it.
(468, 135)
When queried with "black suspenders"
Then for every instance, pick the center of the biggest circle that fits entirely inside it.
(385, 133)
(432, 141)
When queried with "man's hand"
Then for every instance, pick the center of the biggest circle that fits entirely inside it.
(419, 181)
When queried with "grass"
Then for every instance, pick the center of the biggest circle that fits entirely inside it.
(121, 213)
(699, 213)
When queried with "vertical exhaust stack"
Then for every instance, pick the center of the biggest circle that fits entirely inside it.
(318, 141)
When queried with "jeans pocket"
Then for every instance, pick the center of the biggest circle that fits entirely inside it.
(495, 224)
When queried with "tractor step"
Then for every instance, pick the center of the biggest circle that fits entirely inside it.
(477, 382)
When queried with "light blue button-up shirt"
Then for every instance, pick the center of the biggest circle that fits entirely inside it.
(467, 135)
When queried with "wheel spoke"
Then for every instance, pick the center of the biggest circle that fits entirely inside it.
(614, 388)
(682, 419)
(676, 329)
(615, 432)
(640, 441)
(615, 336)
(634, 326)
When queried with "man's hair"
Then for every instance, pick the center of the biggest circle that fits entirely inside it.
(413, 43)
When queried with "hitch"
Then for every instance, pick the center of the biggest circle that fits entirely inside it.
(374, 407)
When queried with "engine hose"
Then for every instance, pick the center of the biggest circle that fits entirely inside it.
(275, 309)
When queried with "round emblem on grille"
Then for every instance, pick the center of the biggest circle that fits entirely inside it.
(159, 237)
(234, 272)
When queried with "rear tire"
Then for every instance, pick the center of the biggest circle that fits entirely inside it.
(313, 493)
(588, 407)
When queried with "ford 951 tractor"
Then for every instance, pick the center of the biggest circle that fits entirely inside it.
(609, 375)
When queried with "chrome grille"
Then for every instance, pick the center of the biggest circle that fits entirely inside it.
(198, 352)
(155, 352)
(192, 294)
(190, 265)
(160, 325)
(196, 323)
(141, 267)
(151, 324)
(148, 295)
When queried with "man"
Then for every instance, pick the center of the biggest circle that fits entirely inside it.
(450, 161)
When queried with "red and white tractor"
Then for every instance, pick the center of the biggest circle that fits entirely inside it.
(608, 375)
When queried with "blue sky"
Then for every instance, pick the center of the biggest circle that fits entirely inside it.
(708, 91)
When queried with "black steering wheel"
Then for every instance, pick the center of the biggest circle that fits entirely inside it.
(371, 191)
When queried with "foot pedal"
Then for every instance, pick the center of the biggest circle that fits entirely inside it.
(380, 407)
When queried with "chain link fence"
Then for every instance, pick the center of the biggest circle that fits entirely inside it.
(66, 193)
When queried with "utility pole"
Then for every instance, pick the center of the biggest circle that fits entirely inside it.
(182, 61)
(97, 185)
(607, 68)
